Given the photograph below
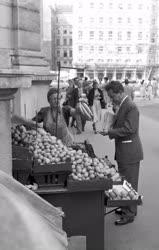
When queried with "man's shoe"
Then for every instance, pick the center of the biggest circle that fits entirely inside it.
(124, 221)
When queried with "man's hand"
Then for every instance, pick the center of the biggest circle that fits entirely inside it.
(104, 133)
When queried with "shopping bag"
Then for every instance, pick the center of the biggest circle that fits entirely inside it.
(107, 120)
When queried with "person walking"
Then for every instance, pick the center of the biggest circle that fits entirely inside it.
(129, 90)
(128, 147)
(142, 89)
(149, 92)
(95, 100)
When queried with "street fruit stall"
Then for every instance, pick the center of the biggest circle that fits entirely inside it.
(68, 177)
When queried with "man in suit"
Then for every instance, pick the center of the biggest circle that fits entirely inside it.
(128, 147)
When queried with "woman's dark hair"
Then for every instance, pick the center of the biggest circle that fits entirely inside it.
(126, 81)
(115, 86)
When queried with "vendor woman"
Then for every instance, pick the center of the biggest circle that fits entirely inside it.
(47, 115)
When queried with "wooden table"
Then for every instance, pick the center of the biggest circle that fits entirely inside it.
(84, 212)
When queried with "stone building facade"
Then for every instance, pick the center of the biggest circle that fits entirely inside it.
(62, 35)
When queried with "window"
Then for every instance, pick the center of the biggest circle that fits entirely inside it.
(70, 41)
(119, 20)
(153, 37)
(140, 6)
(92, 49)
(139, 49)
(140, 20)
(129, 20)
(92, 20)
(128, 49)
(91, 5)
(70, 32)
(101, 5)
(80, 34)
(120, 6)
(70, 53)
(58, 31)
(65, 62)
(119, 35)
(110, 20)
(65, 53)
(91, 35)
(100, 49)
(110, 5)
(127, 60)
(64, 41)
(80, 5)
(129, 6)
(58, 42)
(58, 53)
(80, 49)
(80, 19)
(119, 49)
(110, 35)
(65, 32)
(139, 35)
(128, 35)
(101, 20)
(100, 35)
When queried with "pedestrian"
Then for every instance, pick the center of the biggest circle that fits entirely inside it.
(142, 89)
(74, 103)
(128, 147)
(154, 86)
(96, 101)
(129, 90)
(149, 93)
(106, 97)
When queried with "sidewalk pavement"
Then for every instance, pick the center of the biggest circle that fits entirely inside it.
(145, 102)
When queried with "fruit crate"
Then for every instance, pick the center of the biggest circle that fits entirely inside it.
(21, 164)
(89, 185)
(122, 203)
(21, 153)
(51, 174)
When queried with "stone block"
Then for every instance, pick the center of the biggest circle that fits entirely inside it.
(29, 21)
(33, 5)
(5, 60)
(5, 38)
(5, 16)
(28, 40)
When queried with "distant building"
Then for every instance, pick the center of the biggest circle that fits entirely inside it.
(61, 35)
(118, 39)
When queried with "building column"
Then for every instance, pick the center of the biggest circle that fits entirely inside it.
(5, 130)
(105, 72)
(114, 74)
(124, 74)
(134, 75)
(96, 74)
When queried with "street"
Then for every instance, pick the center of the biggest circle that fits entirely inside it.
(142, 234)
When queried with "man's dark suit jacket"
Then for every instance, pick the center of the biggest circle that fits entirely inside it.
(125, 131)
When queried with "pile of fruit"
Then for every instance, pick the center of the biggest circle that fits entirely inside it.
(122, 192)
(47, 149)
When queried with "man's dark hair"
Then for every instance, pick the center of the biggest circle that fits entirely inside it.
(126, 81)
(106, 78)
(115, 86)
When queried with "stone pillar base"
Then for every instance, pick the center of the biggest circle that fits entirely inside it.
(5, 130)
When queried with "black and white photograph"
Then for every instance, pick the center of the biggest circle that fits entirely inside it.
(79, 122)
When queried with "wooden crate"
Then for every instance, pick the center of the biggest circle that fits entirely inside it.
(52, 174)
(123, 203)
(89, 185)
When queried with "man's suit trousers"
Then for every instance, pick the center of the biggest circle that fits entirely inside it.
(131, 174)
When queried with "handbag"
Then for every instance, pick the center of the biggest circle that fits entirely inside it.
(103, 104)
